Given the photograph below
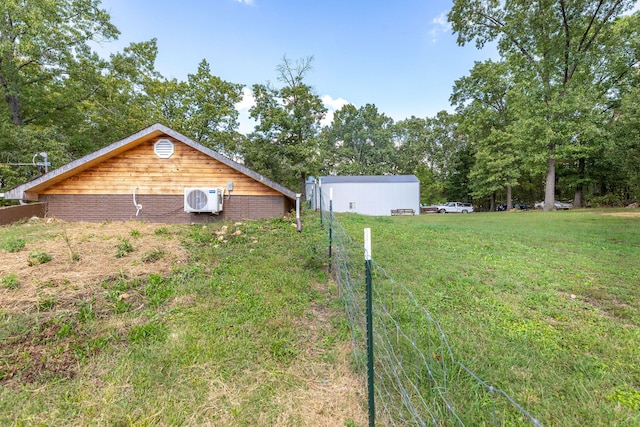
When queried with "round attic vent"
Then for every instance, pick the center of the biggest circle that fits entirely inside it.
(163, 148)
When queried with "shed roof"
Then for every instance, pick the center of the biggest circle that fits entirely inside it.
(369, 179)
(118, 147)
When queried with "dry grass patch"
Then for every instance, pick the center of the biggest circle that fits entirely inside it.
(632, 214)
(68, 277)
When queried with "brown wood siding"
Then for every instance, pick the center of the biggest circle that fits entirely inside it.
(140, 167)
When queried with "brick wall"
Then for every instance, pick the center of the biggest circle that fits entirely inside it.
(11, 214)
(167, 209)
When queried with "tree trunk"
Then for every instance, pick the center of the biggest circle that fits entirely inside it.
(303, 186)
(577, 199)
(550, 186)
(492, 207)
(509, 201)
(13, 102)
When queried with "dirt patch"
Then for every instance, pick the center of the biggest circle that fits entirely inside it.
(83, 255)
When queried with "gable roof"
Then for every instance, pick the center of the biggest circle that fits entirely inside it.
(118, 147)
(368, 179)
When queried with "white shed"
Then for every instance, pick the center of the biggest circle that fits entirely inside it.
(367, 195)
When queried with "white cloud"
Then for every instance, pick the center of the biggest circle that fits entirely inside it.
(246, 124)
(441, 20)
(248, 100)
(332, 105)
(439, 26)
(249, 2)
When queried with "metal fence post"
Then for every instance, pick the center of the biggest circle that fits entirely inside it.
(330, 230)
(320, 191)
(330, 224)
(367, 265)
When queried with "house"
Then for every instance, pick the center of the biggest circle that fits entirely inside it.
(156, 175)
(381, 195)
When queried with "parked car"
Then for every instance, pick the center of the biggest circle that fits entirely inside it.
(455, 207)
(557, 205)
(428, 209)
(562, 205)
(522, 206)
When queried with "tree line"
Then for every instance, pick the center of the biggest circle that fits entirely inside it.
(555, 116)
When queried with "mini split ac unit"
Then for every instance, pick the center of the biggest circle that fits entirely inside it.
(203, 199)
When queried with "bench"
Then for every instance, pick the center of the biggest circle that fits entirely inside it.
(395, 212)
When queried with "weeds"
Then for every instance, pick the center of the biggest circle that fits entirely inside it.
(74, 256)
(38, 257)
(161, 231)
(157, 290)
(124, 248)
(86, 311)
(152, 331)
(153, 256)
(46, 304)
(14, 244)
(10, 281)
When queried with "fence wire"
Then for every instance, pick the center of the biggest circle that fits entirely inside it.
(418, 381)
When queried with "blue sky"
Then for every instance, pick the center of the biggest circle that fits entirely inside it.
(399, 55)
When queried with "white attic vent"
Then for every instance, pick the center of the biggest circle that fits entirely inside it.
(163, 148)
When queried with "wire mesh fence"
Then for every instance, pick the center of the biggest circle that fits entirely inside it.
(417, 379)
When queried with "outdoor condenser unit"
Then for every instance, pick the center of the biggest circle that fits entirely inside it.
(203, 199)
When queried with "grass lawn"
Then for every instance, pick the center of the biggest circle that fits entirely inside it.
(233, 324)
(545, 306)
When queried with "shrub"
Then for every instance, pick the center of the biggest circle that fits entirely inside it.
(38, 257)
(606, 201)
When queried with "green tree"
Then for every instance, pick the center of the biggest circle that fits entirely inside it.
(431, 188)
(119, 106)
(285, 143)
(47, 74)
(623, 154)
(43, 46)
(359, 142)
(448, 155)
(203, 108)
(412, 140)
(481, 100)
(555, 49)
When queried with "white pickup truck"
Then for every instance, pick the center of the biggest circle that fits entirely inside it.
(455, 207)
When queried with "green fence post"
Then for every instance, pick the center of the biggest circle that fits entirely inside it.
(367, 266)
